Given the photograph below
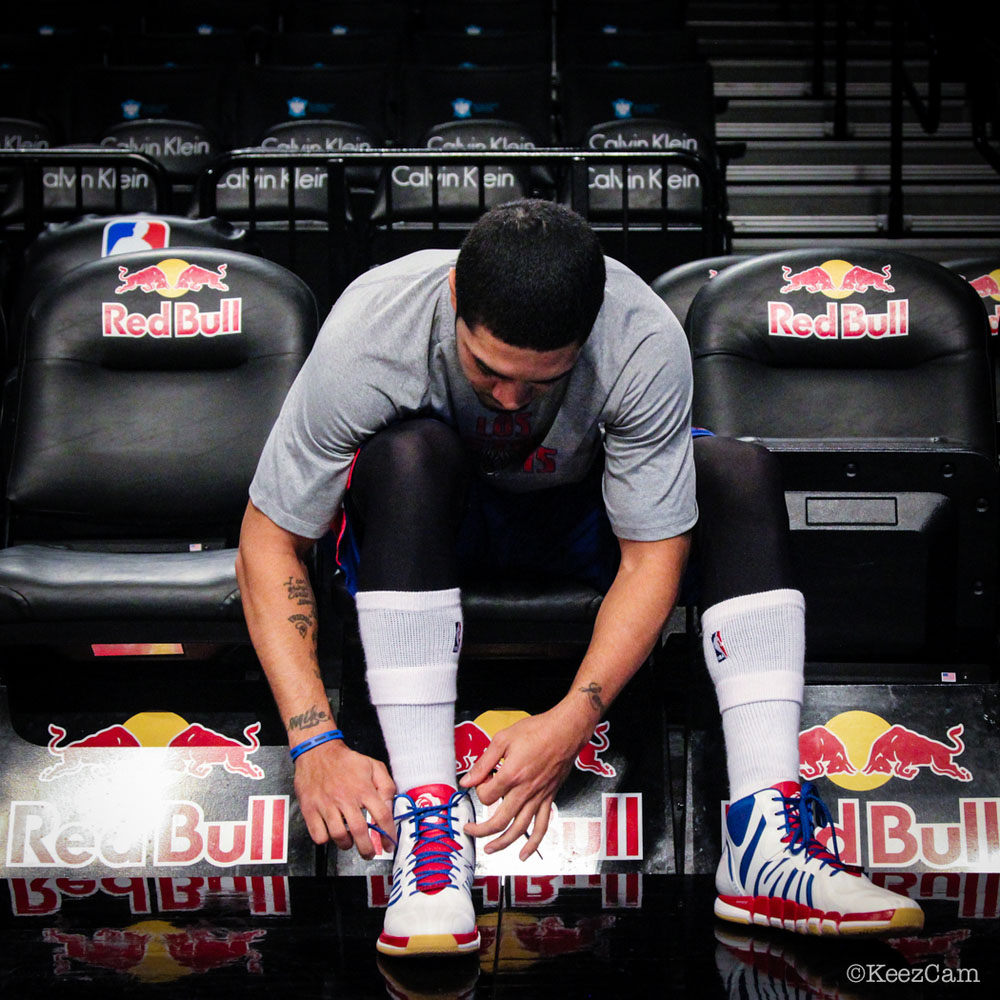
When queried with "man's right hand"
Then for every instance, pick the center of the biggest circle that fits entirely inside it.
(334, 785)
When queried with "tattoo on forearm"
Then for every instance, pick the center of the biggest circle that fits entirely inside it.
(593, 692)
(311, 717)
(301, 593)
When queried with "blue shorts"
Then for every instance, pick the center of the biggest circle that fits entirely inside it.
(561, 533)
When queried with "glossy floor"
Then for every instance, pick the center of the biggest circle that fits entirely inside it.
(588, 936)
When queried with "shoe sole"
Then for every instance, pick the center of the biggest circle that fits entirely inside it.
(765, 911)
(428, 945)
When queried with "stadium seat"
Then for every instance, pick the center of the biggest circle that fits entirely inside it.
(653, 190)
(220, 17)
(678, 92)
(61, 247)
(360, 47)
(487, 15)
(486, 47)
(983, 274)
(106, 97)
(651, 47)
(460, 196)
(272, 95)
(344, 17)
(435, 94)
(83, 179)
(866, 371)
(146, 388)
(678, 286)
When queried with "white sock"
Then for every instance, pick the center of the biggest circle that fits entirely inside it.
(755, 651)
(412, 641)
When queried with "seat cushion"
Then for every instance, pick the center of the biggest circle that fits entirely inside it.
(48, 583)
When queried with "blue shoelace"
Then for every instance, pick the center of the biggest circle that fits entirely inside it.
(435, 828)
(804, 815)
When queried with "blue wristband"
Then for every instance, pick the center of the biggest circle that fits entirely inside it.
(315, 741)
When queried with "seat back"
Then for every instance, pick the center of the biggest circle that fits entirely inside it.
(147, 386)
(66, 245)
(514, 93)
(867, 371)
(678, 286)
(653, 191)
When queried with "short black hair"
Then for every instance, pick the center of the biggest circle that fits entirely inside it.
(532, 273)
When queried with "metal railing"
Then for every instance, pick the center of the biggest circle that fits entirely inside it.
(37, 182)
(569, 173)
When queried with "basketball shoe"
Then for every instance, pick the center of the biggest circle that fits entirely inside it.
(775, 873)
(430, 905)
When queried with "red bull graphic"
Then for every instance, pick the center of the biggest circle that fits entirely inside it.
(155, 951)
(473, 738)
(263, 895)
(171, 279)
(838, 279)
(173, 275)
(199, 749)
(177, 834)
(589, 757)
(861, 751)
(69, 760)
(902, 752)
(987, 286)
(822, 752)
(194, 749)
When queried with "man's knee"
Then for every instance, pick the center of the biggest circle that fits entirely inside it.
(410, 455)
(735, 475)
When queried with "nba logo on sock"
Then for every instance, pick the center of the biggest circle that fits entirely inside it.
(720, 650)
(458, 638)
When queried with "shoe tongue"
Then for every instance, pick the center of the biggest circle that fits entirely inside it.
(789, 789)
(431, 795)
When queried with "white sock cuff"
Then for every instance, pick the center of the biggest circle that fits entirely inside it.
(427, 685)
(717, 614)
(771, 685)
(407, 600)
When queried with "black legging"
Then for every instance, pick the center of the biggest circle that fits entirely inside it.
(409, 481)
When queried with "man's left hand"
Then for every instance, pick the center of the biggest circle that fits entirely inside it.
(537, 754)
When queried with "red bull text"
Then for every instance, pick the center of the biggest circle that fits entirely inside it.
(846, 321)
(39, 837)
(172, 279)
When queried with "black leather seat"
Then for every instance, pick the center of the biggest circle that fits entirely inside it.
(678, 286)
(147, 386)
(867, 372)
(62, 246)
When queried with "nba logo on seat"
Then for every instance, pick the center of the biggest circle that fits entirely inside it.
(131, 109)
(297, 107)
(462, 107)
(720, 650)
(130, 235)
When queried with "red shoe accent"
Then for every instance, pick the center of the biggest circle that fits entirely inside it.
(789, 910)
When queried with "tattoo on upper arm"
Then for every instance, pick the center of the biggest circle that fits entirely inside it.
(301, 593)
(311, 717)
(593, 692)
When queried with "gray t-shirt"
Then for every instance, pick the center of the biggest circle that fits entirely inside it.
(387, 352)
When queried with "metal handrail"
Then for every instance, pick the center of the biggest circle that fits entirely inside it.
(30, 165)
(573, 163)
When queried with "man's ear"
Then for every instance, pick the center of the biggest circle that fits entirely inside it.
(451, 285)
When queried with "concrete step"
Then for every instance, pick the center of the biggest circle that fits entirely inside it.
(782, 78)
(858, 161)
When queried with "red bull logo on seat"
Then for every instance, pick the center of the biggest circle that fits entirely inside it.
(861, 751)
(838, 279)
(987, 287)
(171, 279)
(473, 738)
(194, 749)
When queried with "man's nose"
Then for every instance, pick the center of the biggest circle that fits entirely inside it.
(512, 395)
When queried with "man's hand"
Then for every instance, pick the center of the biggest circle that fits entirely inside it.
(334, 784)
(537, 754)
